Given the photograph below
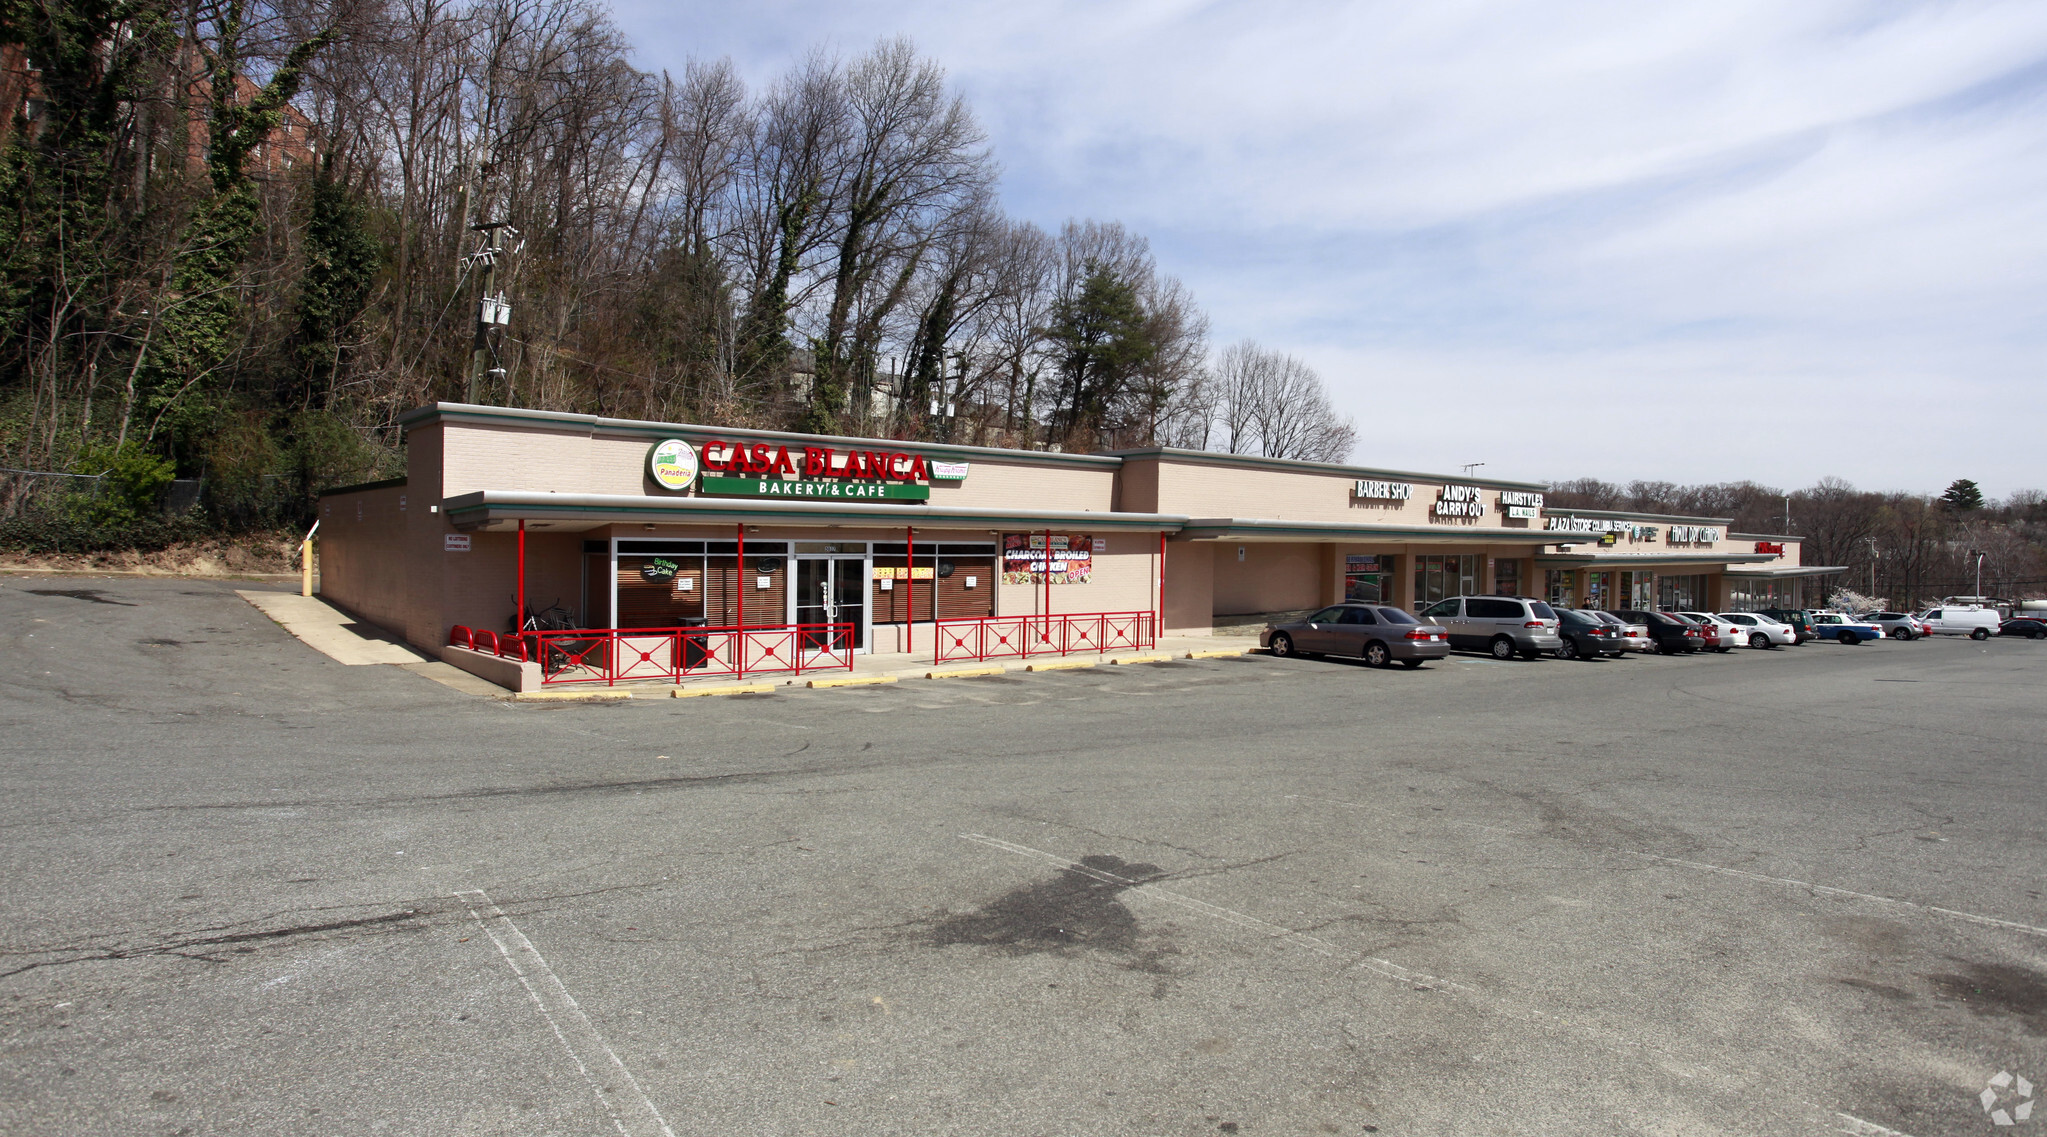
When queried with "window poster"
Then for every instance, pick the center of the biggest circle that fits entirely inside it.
(1026, 559)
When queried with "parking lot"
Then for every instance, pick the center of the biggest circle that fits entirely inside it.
(249, 890)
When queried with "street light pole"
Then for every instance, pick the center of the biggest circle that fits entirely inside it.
(1873, 555)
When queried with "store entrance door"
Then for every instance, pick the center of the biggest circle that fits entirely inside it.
(832, 590)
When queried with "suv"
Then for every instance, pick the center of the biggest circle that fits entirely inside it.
(1672, 632)
(1897, 625)
(1799, 619)
(1502, 625)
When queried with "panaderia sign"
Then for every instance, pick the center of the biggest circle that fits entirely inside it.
(767, 469)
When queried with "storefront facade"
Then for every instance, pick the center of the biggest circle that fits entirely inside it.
(632, 524)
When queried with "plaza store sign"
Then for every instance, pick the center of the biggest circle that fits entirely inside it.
(1459, 501)
(1516, 503)
(1568, 524)
(764, 469)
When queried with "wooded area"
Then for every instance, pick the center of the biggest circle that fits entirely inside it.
(240, 237)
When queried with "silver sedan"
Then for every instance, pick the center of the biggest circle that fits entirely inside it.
(1377, 633)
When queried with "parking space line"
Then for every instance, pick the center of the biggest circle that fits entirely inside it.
(559, 1007)
(1859, 1128)
(1971, 917)
(1383, 967)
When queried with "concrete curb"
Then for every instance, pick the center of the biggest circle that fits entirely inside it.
(1062, 665)
(734, 689)
(607, 696)
(965, 672)
(1141, 659)
(1215, 654)
(852, 681)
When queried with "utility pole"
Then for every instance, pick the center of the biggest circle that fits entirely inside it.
(492, 312)
(1978, 553)
(1873, 555)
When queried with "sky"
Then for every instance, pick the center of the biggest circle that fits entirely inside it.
(1695, 240)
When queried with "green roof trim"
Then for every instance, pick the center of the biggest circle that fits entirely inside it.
(484, 506)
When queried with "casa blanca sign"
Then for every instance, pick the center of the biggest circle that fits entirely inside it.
(767, 469)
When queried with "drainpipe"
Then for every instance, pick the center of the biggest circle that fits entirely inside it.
(519, 619)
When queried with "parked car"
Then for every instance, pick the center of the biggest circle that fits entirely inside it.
(1672, 633)
(2030, 627)
(1975, 623)
(1634, 637)
(1897, 625)
(1378, 633)
(1588, 635)
(1799, 619)
(1721, 635)
(1844, 628)
(1763, 632)
(1502, 625)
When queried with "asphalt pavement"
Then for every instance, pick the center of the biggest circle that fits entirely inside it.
(247, 889)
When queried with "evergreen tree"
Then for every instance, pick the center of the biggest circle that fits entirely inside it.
(1962, 496)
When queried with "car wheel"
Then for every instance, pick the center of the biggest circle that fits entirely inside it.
(1282, 645)
(1410, 664)
(1760, 641)
(1503, 648)
(1980, 634)
(1377, 655)
(1850, 638)
(1568, 649)
(2036, 635)
(1900, 634)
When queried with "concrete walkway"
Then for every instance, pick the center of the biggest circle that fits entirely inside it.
(332, 632)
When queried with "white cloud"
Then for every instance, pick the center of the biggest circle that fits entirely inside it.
(1672, 208)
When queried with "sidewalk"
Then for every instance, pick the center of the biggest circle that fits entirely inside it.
(917, 665)
(346, 640)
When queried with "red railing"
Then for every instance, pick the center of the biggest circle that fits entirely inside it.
(614, 655)
(505, 646)
(1001, 637)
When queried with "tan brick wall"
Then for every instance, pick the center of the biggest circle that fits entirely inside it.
(361, 553)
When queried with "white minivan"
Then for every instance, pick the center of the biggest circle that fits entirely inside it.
(1975, 623)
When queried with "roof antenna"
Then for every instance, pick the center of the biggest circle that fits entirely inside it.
(1470, 466)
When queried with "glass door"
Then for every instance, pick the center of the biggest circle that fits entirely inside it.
(832, 590)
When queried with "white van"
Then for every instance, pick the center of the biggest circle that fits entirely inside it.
(1975, 623)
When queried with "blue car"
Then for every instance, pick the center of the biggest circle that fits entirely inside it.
(1847, 629)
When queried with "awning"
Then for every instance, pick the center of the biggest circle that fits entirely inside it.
(504, 509)
(1253, 529)
(1785, 571)
(1670, 559)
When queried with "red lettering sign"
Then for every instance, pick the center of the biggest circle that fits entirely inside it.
(815, 462)
(1774, 548)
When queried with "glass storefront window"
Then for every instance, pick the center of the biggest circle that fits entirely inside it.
(1638, 590)
(1507, 578)
(1367, 577)
(1560, 588)
(1683, 593)
(1439, 578)
(1599, 590)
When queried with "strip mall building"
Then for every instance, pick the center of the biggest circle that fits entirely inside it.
(641, 525)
